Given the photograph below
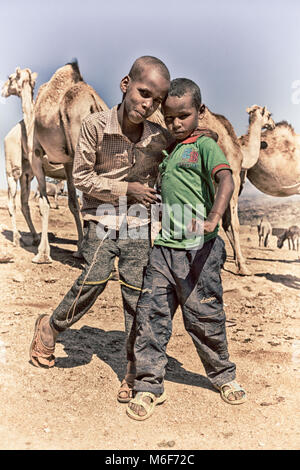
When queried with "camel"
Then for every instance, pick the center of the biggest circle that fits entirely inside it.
(52, 127)
(53, 190)
(264, 229)
(229, 144)
(259, 119)
(277, 171)
(18, 167)
(292, 234)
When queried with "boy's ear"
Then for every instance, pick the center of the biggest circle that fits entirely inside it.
(201, 111)
(124, 84)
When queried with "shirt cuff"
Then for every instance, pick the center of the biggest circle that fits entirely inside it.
(119, 188)
(222, 166)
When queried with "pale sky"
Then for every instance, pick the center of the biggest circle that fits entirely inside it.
(240, 52)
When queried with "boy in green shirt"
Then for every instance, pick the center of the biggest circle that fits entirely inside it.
(187, 257)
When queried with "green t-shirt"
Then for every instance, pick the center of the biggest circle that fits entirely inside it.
(188, 192)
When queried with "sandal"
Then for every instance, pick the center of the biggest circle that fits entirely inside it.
(232, 387)
(40, 355)
(148, 407)
(126, 389)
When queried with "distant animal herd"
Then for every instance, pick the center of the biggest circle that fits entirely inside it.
(291, 234)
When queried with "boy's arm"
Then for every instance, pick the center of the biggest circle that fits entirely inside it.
(225, 190)
(86, 179)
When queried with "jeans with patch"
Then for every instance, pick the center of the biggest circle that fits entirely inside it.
(191, 279)
(133, 257)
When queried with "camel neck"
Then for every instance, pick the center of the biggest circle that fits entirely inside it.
(252, 146)
(27, 106)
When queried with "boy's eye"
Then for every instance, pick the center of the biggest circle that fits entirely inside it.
(144, 93)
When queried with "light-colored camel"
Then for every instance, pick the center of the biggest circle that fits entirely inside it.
(292, 234)
(277, 171)
(264, 229)
(259, 119)
(18, 167)
(60, 106)
(229, 144)
(53, 190)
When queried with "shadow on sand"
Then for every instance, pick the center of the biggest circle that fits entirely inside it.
(109, 347)
(64, 256)
(285, 279)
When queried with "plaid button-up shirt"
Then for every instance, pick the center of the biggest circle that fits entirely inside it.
(106, 160)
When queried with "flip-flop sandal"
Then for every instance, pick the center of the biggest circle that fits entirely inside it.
(148, 407)
(40, 355)
(125, 388)
(232, 387)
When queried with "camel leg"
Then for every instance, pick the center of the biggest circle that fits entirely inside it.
(56, 201)
(12, 184)
(43, 255)
(231, 227)
(74, 206)
(25, 181)
(266, 240)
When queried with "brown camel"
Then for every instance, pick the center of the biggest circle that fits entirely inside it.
(18, 168)
(229, 144)
(277, 171)
(259, 119)
(60, 106)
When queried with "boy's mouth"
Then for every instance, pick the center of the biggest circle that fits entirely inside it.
(140, 114)
(179, 133)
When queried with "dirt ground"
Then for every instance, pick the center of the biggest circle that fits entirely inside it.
(73, 406)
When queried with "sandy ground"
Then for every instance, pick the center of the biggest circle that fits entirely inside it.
(74, 406)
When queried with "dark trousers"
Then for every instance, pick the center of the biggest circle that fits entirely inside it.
(191, 279)
(133, 257)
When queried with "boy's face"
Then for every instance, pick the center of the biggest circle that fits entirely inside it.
(144, 94)
(181, 116)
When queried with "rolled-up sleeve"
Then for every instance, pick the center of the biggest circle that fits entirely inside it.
(85, 177)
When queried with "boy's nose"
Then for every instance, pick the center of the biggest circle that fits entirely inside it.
(148, 104)
(176, 123)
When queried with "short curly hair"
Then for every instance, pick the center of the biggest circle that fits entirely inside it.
(181, 86)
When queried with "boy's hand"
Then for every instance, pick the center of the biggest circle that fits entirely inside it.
(209, 226)
(141, 193)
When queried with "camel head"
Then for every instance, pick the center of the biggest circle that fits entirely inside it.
(16, 82)
(258, 112)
